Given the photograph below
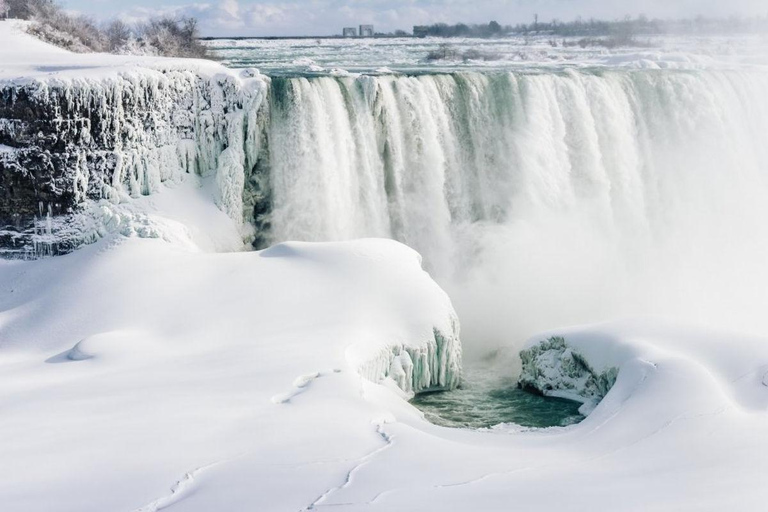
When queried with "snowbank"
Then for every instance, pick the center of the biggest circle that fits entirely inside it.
(24, 57)
(680, 429)
(155, 359)
(593, 362)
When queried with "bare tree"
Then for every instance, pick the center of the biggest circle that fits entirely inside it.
(174, 37)
(171, 37)
(117, 33)
(26, 9)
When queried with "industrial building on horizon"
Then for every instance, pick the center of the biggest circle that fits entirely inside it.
(364, 31)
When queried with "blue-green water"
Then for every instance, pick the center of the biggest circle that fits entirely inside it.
(486, 400)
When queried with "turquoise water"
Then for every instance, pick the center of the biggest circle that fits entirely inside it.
(486, 400)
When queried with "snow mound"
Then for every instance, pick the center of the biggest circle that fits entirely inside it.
(162, 348)
(428, 361)
(613, 362)
(114, 344)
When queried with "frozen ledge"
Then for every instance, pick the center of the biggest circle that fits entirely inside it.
(432, 365)
(553, 368)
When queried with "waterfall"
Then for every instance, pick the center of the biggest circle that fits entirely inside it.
(537, 199)
(565, 197)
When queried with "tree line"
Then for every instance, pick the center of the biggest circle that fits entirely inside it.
(490, 29)
(166, 36)
(643, 25)
(622, 28)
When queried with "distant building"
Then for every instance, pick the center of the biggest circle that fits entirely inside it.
(349, 32)
(420, 31)
(366, 30)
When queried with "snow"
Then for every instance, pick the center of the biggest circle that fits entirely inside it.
(552, 368)
(24, 57)
(150, 372)
(152, 359)
(164, 368)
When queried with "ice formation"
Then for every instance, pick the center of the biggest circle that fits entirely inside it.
(122, 136)
(553, 368)
(432, 365)
(427, 361)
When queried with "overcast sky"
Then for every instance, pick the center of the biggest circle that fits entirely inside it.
(323, 17)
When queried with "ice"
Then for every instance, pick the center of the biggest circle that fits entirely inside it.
(431, 366)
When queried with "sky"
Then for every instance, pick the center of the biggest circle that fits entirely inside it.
(326, 17)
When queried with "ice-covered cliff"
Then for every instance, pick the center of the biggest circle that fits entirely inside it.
(100, 128)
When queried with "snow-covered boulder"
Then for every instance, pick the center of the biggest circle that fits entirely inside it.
(553, 368)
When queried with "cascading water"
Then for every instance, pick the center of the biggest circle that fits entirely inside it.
(539, 199)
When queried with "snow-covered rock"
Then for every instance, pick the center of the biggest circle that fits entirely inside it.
(552, 368)
(109, 127)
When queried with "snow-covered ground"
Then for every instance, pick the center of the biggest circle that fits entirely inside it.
(134, 362)
(161, 368)
(139, 373)
(24, 57)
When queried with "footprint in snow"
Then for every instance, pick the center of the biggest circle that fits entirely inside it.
(299, 386)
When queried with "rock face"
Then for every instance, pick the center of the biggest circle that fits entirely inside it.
(552, 368)
(66, 142)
